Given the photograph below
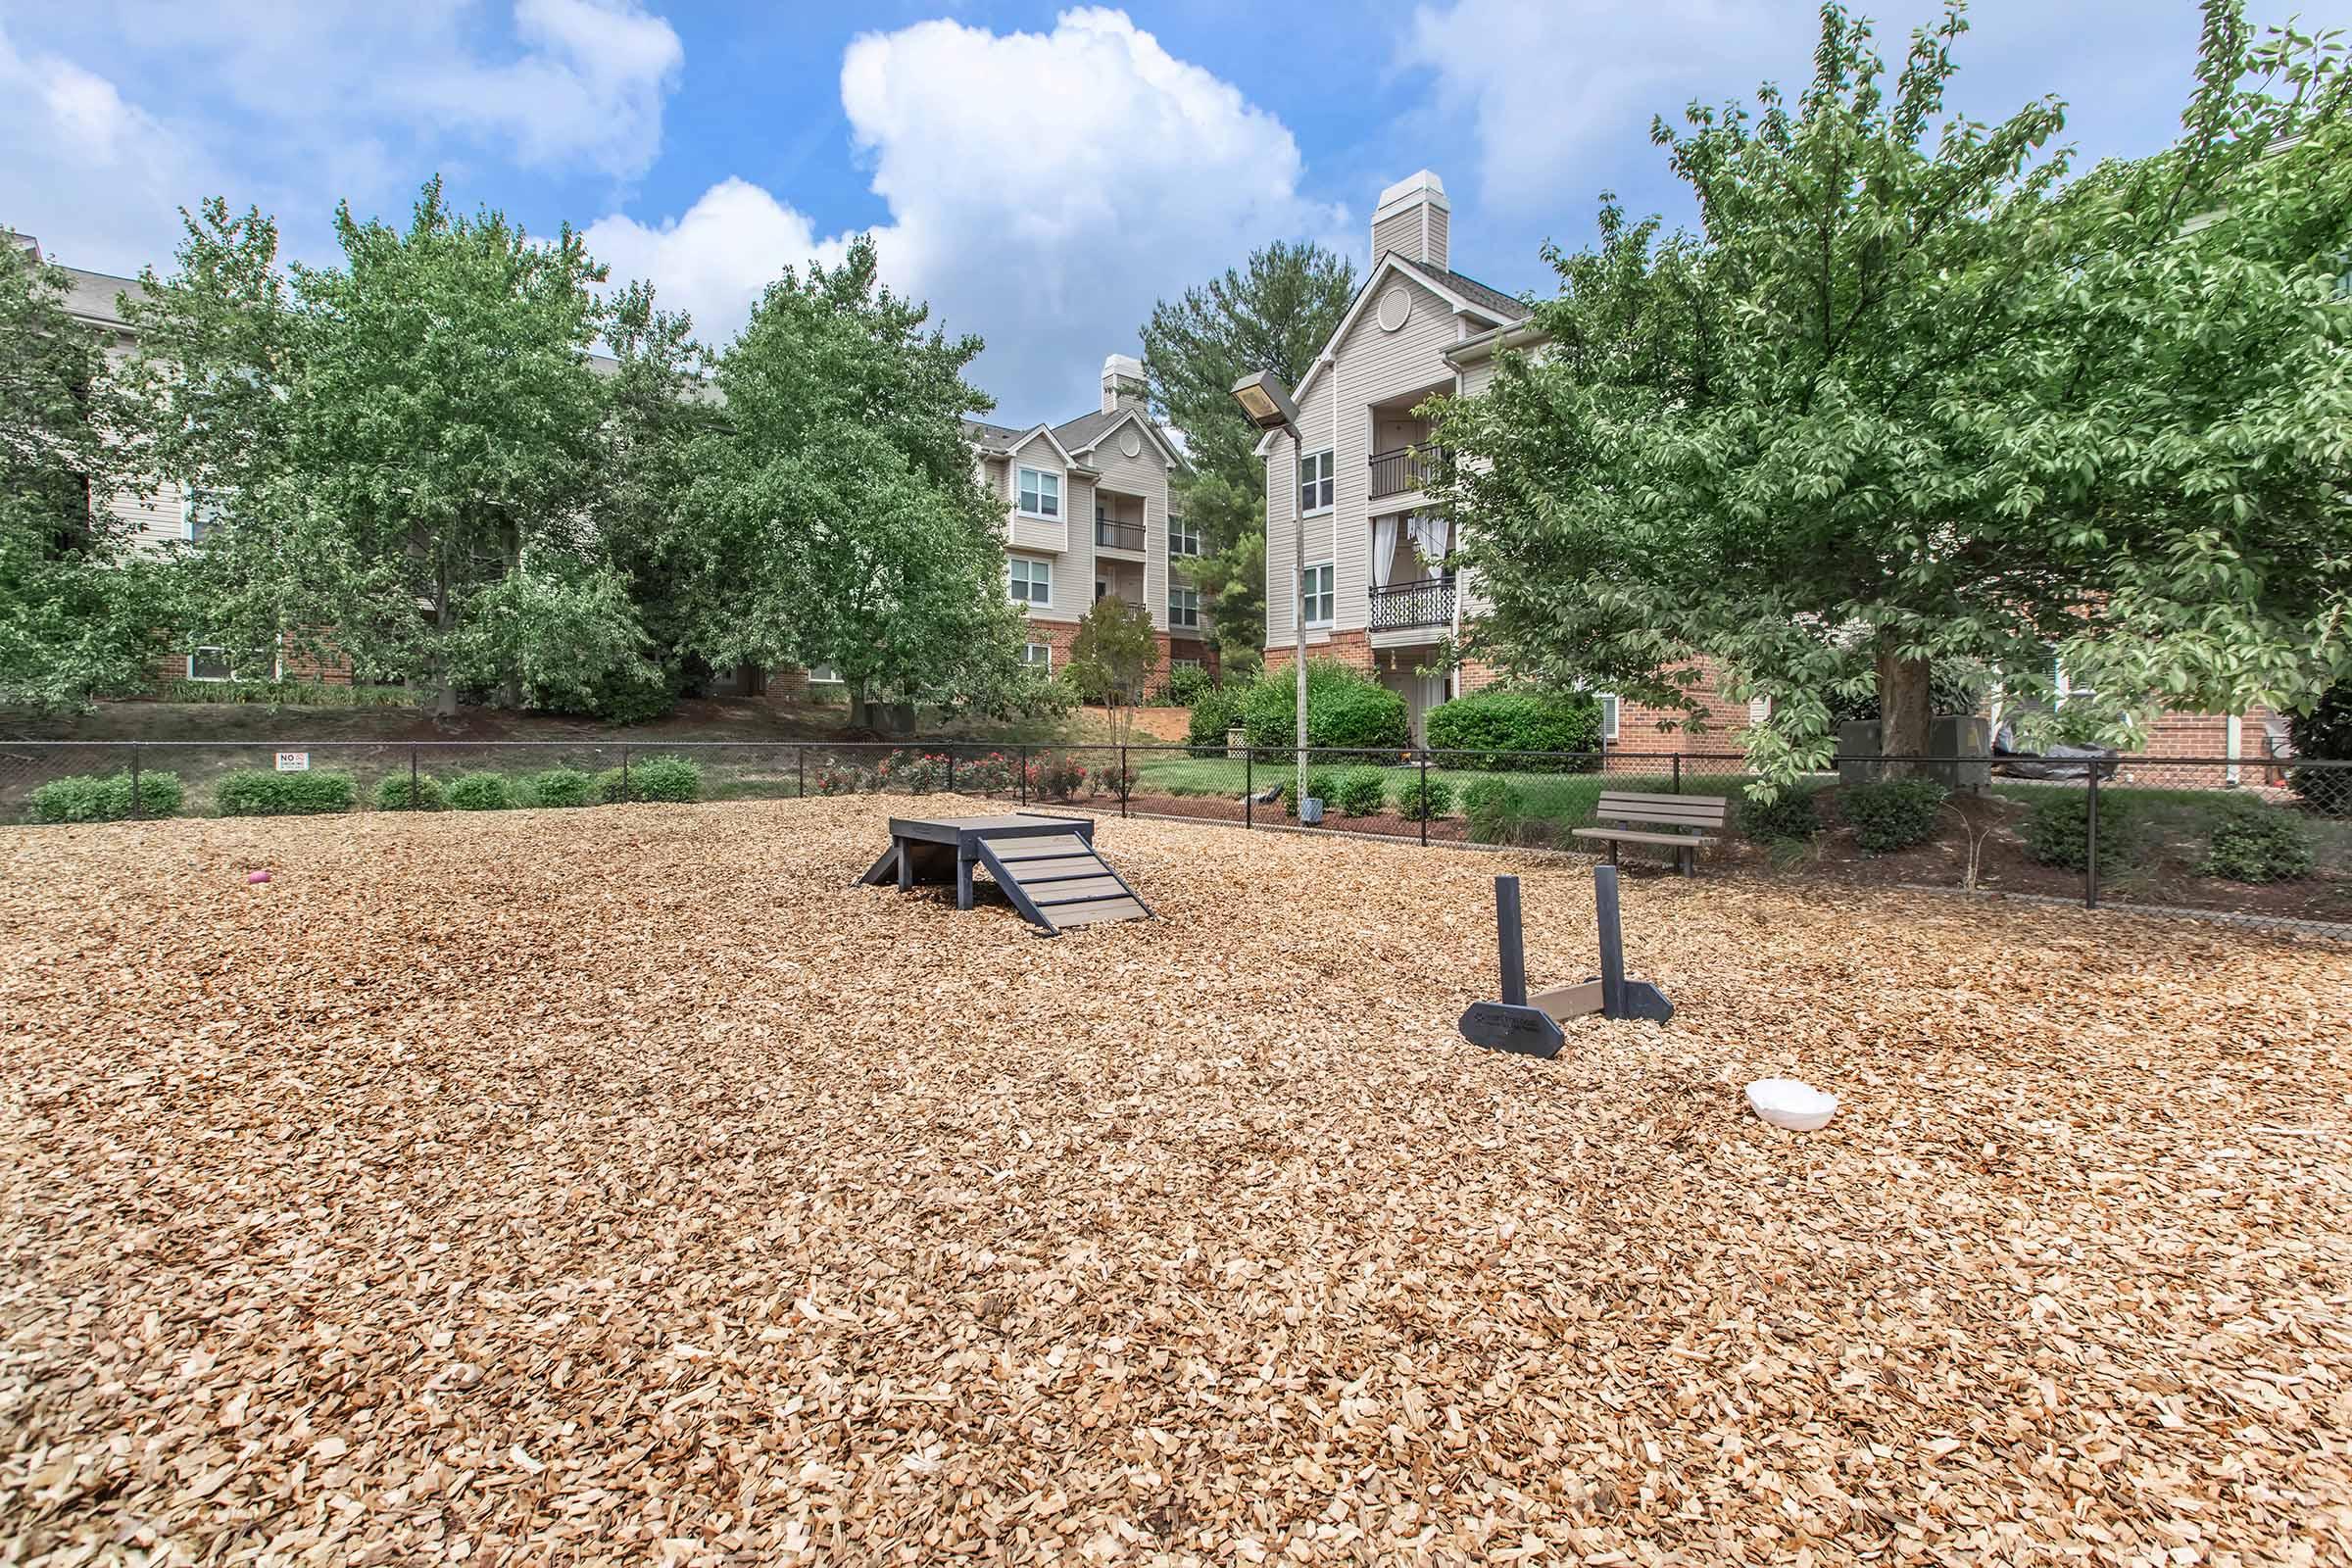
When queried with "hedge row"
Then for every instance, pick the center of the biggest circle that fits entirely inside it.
(262, 791)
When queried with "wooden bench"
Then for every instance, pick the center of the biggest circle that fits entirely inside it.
(1677, 822)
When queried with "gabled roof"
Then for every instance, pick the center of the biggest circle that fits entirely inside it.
(998, 440)
(1090, 430)
(1466, 294)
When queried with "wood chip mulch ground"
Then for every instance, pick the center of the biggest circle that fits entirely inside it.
(627, 1186)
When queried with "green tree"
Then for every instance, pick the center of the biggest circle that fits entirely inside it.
(837, 520)
(1112, 657)
(1923, 404)
(79, 610)
(1273, 313)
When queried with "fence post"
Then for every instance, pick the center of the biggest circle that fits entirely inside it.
(2091, 840)
(800, 772)
(415, 804)
(624, 772)
(1678, 772)
(951, 770)
(1249, 786)
(1022, 762)
(1423, 803)
(137, 809)
(1122, 778)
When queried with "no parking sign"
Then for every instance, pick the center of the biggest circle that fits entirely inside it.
(293, 762)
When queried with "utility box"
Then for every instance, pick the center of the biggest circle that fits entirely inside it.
(1963, 742)
(1237, 742)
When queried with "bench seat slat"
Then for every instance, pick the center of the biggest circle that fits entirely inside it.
(1628, 836)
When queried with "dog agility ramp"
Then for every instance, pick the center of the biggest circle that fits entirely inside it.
(1048, 867)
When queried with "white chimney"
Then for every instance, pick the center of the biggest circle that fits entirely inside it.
(1122, 382)
(1411, 220)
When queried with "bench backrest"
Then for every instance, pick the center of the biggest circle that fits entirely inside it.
(1689, 813)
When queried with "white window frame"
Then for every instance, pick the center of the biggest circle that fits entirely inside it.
(1608, 714)
(1032, 570)
(1194, 608)
(231, 669)
(1327, 591)
(1181, 533)
(1184, 663)
(825, 675)
(1044, 665)
(188, 504)
(1023, 470)
(1322, 490)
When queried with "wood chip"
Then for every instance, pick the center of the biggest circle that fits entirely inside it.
(625, 1185)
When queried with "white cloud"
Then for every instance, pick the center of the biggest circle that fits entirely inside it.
(1577, 84)
(1043, 188)
(588, 88)
(716, 256)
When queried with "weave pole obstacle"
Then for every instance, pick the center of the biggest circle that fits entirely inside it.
(1530, 1026)
(1048, 867)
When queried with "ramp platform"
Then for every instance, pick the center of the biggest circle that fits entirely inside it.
(1048, 867)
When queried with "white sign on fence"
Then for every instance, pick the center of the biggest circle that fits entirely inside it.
(293, 762)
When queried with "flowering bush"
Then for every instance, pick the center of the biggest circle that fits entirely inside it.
(837, 781)
(984, 775)
(1056, 776)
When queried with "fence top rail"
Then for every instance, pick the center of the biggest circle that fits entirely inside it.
(1436, 755)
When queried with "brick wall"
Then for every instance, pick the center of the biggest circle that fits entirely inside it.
(1352, 649)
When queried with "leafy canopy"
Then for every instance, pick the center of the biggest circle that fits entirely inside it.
(1914, 398)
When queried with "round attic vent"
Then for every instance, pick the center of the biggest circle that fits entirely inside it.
(1131, 443)
(1395, 308)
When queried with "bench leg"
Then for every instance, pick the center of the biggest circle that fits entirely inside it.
(1612, 852)
(905, 867)
(1687, 860)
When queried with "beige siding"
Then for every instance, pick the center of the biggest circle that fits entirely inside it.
(1146, 476)
(1032, 533)
(1372, 366)
(153, 520)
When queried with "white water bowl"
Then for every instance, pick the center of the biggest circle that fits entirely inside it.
(1791, 1103)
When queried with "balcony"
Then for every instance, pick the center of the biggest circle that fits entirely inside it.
(1404, 469)
(1403, 605)
(1109, 535)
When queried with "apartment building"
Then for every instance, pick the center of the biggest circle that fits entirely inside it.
(1087, 517)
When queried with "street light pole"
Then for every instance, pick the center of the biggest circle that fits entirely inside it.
(1267, 403)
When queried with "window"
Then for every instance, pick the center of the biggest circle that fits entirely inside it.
(824, 675)
(1315, 594)
(1032, 580)
(1184, 606)
(209, 663)
(1183, 538)
(1314, 483)
(1184, 663)
(1041, 493)
(199, 514)
(1038, 657)
(1608, 716)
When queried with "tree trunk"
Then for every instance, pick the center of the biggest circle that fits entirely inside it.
(861, 714)
(510, 690)
(445, 620)
(1904, 708)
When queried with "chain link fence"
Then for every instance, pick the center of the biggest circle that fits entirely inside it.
(2262, 840)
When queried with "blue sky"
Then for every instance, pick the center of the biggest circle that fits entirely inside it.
(1041, 173)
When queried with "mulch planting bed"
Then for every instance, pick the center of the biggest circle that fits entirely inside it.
(627, 1186)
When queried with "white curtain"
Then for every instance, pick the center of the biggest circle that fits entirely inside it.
(1384, 549)
(1429, 538)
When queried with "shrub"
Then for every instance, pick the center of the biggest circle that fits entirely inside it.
(1214, 711)
(1322, 783)
(1892, 816)
(481, 792)
(1789, 817)
(669, 779)
(1345, 709)
(1424, 800)
(106, 798)
(1056, 776)
(252, 792)
(1485, 725)
(1495, 810)
(2057, 830)
(560, 786)
(837, 781)
(2250, 842)
(285, 694)
(918, 773)
(1361, 791)
(396, 792)
(984, 775)
(1186, 683)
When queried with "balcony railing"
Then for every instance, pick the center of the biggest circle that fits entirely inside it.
(1119, 535)
(1405, 605)
(1404, 470)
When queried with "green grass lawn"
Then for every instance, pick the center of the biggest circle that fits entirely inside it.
(1558, 797)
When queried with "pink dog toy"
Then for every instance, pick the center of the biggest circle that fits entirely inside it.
(257, 877)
